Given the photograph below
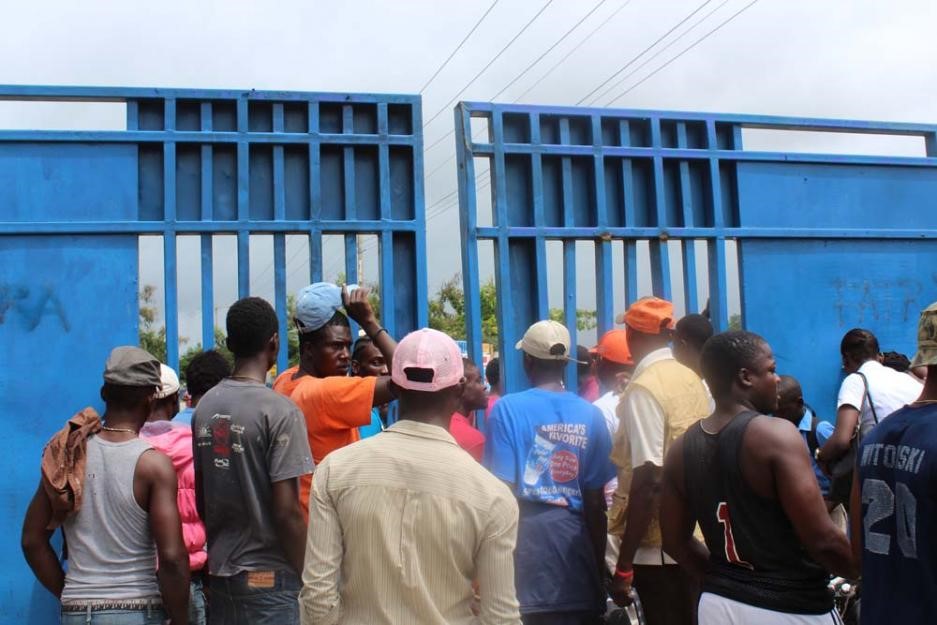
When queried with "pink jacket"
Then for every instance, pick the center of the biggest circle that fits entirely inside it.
(175, 440)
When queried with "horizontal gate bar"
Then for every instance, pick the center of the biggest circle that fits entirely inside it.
(197, 136)
(201, 227)
(119, 94)
(591, 233)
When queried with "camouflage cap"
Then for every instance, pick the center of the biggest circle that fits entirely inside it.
(927, 338)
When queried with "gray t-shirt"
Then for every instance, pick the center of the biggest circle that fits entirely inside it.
(247, 437)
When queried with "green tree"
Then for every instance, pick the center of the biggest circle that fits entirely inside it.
(151, 339)
(195, 350)
(585, 319)
(735, 322)
(447, 311)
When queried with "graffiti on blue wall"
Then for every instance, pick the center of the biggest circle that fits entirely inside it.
(31, 305)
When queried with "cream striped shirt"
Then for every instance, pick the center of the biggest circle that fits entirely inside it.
(399, 526)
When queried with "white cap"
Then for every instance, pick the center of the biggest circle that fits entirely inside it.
(547, 340)
(169, 382)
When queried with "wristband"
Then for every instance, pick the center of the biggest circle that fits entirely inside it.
(628, 576)
(378, 333)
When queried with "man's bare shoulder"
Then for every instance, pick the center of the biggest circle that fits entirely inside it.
(767, 436)
(154, 467)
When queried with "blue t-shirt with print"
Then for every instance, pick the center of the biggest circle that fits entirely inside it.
(550, 446)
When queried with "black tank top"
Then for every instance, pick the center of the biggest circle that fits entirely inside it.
(755, 555)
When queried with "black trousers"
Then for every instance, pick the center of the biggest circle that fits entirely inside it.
(668, 594)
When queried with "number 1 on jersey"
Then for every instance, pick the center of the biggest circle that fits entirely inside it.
(732, 554)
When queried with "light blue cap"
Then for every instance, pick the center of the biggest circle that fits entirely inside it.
(317, 303)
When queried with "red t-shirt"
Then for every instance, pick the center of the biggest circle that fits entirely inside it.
(468, 438)
(492, 398)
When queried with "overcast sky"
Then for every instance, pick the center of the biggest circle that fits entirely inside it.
(860, 59)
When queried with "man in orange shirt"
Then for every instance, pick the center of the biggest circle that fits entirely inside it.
(334, 404)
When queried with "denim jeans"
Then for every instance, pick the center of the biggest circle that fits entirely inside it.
(255, 598)
(91, 616)
(197, 604)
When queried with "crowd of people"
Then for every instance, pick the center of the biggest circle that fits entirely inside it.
(360, 489)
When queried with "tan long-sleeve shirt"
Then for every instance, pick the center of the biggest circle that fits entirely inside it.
(400, 525)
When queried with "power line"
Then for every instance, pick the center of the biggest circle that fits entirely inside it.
(570, 53)
(550, 49)
(670, 44)
(643, 52)
(685, 50)
(528, 68)
(458, 47)
(490, 63)
(529, 89)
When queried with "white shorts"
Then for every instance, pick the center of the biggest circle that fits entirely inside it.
(718, 610)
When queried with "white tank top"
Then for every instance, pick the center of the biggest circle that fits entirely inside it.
(111, 555)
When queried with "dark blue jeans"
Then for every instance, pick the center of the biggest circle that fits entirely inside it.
(254, 598)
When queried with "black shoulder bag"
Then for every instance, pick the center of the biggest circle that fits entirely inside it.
(842, 470)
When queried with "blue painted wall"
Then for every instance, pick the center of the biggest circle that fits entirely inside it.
(241, 163)
(826, 242)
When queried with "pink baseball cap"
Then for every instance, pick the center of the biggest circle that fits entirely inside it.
(427, 360)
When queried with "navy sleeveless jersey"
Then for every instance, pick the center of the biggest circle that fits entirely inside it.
(898, 476)
(754, 554)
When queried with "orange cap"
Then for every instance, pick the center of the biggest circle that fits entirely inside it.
(648, 315)
(613, 346)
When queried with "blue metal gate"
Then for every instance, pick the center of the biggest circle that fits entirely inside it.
(825, 241)
(73, 205)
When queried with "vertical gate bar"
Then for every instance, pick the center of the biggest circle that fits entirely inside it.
(208, 294)
(383, 162)
(631, 270)
(279, 297)
(171, 310)
(567, 177)
(351, 208)
(315, 254)
(351, 258)
(569, 307)
(690, 298)
(279, 240)
(508, 330)
(569, 255)
(348, 165)
(384, 247)
(604, 290)
(930, 144)
(536, 169)
(419, 211)
(351, 271)
(243, 178)
(718, 298)
(468, 217)
(170, 278)
(660, 258)
(133, 115)
(631, 247)
(207, 173)
(315, 195)
(207, 213)
(244, 261)
(279, 188)
(718, 304)
(388, 286)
